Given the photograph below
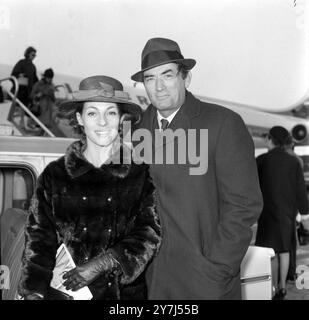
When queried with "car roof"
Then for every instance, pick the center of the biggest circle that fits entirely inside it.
(29, 144)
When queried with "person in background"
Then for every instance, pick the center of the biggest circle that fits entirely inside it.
(90, 199)
(43, 98)
(25, 72)
(291, 276)
(206, 216)
(299, 218)
(284, 193)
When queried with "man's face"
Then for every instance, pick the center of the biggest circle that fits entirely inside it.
(166, 87)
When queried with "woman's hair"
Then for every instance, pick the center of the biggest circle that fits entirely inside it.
(28, 51)
(277, 142)
(71, 115)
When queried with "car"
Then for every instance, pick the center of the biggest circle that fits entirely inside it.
(22, 159)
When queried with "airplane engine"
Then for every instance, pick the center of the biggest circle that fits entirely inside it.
(299, 132)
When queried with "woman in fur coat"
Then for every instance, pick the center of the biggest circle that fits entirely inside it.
(101, 208)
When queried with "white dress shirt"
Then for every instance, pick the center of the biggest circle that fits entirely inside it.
(169, 118)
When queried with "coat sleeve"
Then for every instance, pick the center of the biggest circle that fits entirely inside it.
(142, 242)
(35, 77)
(240, 198)
(17, 69)
(41, 243)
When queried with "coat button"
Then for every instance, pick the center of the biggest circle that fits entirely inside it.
(109, 284)
(109, 199)
(109, 230)
(85, 229)
(84, 198)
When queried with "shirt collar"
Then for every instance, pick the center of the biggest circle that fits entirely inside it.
(169, 118)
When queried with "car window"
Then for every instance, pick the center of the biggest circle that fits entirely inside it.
(17, 187)
(22, 189)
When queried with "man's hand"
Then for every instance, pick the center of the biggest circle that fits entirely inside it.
(85, 274)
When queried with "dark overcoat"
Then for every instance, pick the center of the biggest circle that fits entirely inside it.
(94, 211)
(206, 218)
(284, 192)
(26, 67)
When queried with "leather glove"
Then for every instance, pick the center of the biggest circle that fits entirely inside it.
(83, 275)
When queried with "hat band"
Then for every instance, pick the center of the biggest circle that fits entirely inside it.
(90, 94)
(157, 57)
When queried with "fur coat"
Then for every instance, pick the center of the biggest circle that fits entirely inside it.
(94, 211)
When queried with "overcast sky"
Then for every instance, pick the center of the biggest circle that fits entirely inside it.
(249, 51)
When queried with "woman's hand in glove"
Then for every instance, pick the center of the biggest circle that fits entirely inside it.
(85, 274)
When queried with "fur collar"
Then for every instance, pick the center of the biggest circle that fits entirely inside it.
(76, 164)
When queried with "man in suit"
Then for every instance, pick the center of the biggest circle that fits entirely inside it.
(207, 214)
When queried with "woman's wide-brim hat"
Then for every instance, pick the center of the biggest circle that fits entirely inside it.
(101, 89)
(159, 51)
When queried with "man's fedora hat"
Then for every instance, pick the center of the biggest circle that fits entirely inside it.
(101, 89)
(158, 51)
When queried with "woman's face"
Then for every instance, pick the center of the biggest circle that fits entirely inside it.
(32, 55)
(100, 121)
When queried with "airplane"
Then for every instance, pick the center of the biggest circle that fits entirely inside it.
(258, 122)
(247, 61)
(261, 71)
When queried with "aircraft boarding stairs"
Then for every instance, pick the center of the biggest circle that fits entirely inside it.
(11, 107)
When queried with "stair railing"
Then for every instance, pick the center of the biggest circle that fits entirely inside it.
(21, 105)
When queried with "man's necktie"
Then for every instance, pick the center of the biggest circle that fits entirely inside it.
(164, 124)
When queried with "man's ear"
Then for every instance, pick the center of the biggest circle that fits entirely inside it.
(188, 79)
(79, 119)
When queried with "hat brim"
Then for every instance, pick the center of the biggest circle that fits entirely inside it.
(68, 107)
(188, 63)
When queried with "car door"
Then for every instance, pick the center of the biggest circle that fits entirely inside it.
(17, 183)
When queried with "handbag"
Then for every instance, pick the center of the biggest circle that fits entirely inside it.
(302, 234)
(22, 81)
